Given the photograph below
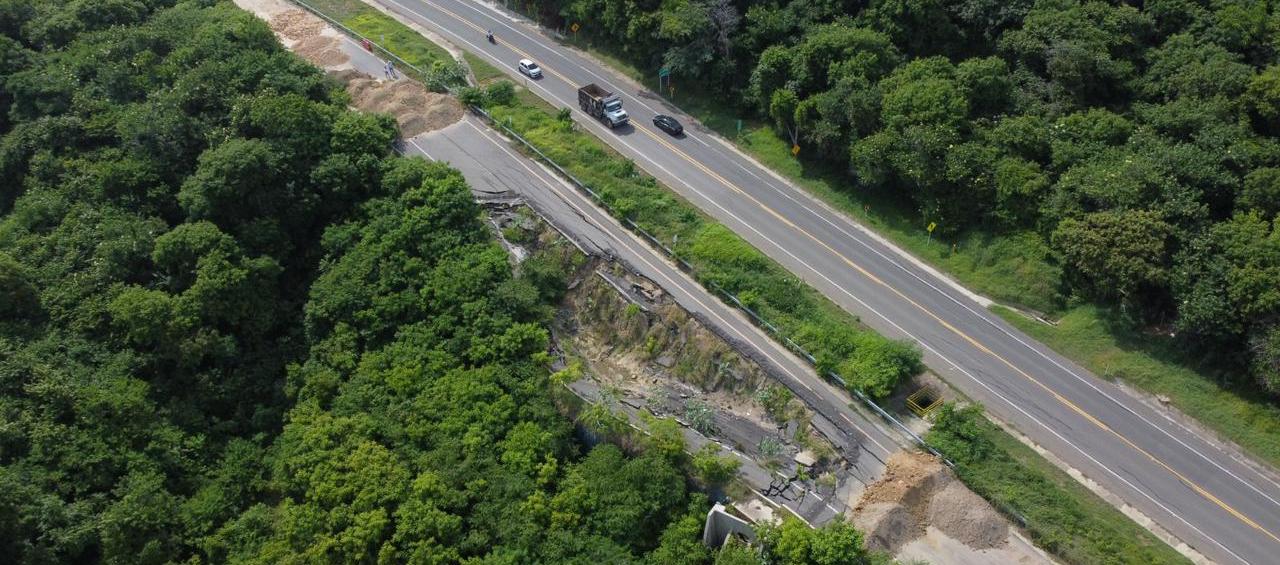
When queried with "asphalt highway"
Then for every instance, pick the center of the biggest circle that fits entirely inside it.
(494, 170)
(1219, 504)
(498, 173)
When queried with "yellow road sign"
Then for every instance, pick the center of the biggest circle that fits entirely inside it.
(931, 226)
(795, 150)
(574, 27)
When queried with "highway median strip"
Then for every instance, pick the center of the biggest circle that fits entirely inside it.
(723, 261)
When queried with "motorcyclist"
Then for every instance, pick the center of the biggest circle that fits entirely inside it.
(489, 35)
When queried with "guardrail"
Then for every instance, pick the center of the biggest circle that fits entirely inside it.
(402, 66)
(755, 317)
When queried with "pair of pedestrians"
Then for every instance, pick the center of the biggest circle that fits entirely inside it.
(389, 71)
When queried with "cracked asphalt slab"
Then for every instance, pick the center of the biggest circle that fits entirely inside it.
(494, 169)
(1220, 504)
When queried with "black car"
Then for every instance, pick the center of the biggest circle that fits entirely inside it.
(668, 124)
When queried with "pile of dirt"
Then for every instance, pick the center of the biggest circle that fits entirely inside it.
(887, 526)
(916, 492)
(323, 51)
(965, 516)
(415, 109)
(909, 479)
(296, 24)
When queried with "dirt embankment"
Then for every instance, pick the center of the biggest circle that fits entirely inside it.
(416, 109)
(917, 492)
(309, 37)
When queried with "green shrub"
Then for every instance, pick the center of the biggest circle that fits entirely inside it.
(472, 96)
(1061, 515)
(713, 468)
(501, 93)
(865, 359)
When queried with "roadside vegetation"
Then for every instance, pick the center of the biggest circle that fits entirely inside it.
(441, 71)
(1147, 205)
(719, 257)
(1073, 154)
(1062, 516)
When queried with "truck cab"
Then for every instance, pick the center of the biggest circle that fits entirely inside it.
(614, 113)
(602, 105)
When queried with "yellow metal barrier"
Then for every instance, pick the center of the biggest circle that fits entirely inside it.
(923, 401)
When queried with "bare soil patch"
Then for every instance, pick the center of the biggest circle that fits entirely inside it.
(416, 109)
(297, 25)
(321, 50)
(916, 492)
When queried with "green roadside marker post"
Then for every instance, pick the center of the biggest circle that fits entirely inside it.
(739, 128)
(663, 73)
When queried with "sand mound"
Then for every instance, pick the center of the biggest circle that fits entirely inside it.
(296, 24)
(917, 491)
(415, 109)
(322, 51)
(887, 526)
(966, 517)
(909, 478)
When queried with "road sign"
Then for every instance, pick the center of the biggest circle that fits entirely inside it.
(664, 72)
(795, 150)
(932, 225)
(575, 27)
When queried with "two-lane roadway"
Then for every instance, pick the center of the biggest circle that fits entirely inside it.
(1225, 508)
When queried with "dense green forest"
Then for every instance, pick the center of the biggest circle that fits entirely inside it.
(235, 328)
(1132, 143)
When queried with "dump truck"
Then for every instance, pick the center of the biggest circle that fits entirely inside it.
(602, 104)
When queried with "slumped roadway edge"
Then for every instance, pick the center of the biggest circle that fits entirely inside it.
(492, 170)
(492, 167)
(1225, 508)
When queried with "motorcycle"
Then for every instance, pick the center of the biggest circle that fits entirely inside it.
(489, 35)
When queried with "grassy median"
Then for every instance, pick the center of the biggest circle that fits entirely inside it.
(719, 257)
(1061, 515)
(392, 35)
(1016, 269)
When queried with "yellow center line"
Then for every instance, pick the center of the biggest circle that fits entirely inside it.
(1061, 399)
(521, 52)
(1065, 401)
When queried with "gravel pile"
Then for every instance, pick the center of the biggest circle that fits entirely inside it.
(322, 51)
(415, 109)
(917, 492)
(296, 25)
(965, 516)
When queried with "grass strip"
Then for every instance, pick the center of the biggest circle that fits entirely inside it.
(481, 69)
(1054, 506)
(718, 256)
(1015, 269)
(1062, 516)
(388, 32)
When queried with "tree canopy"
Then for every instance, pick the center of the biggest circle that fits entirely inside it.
(234, 327)
(1120, 136)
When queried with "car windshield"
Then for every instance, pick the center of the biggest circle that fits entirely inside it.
(533, 66)
(613, 106)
